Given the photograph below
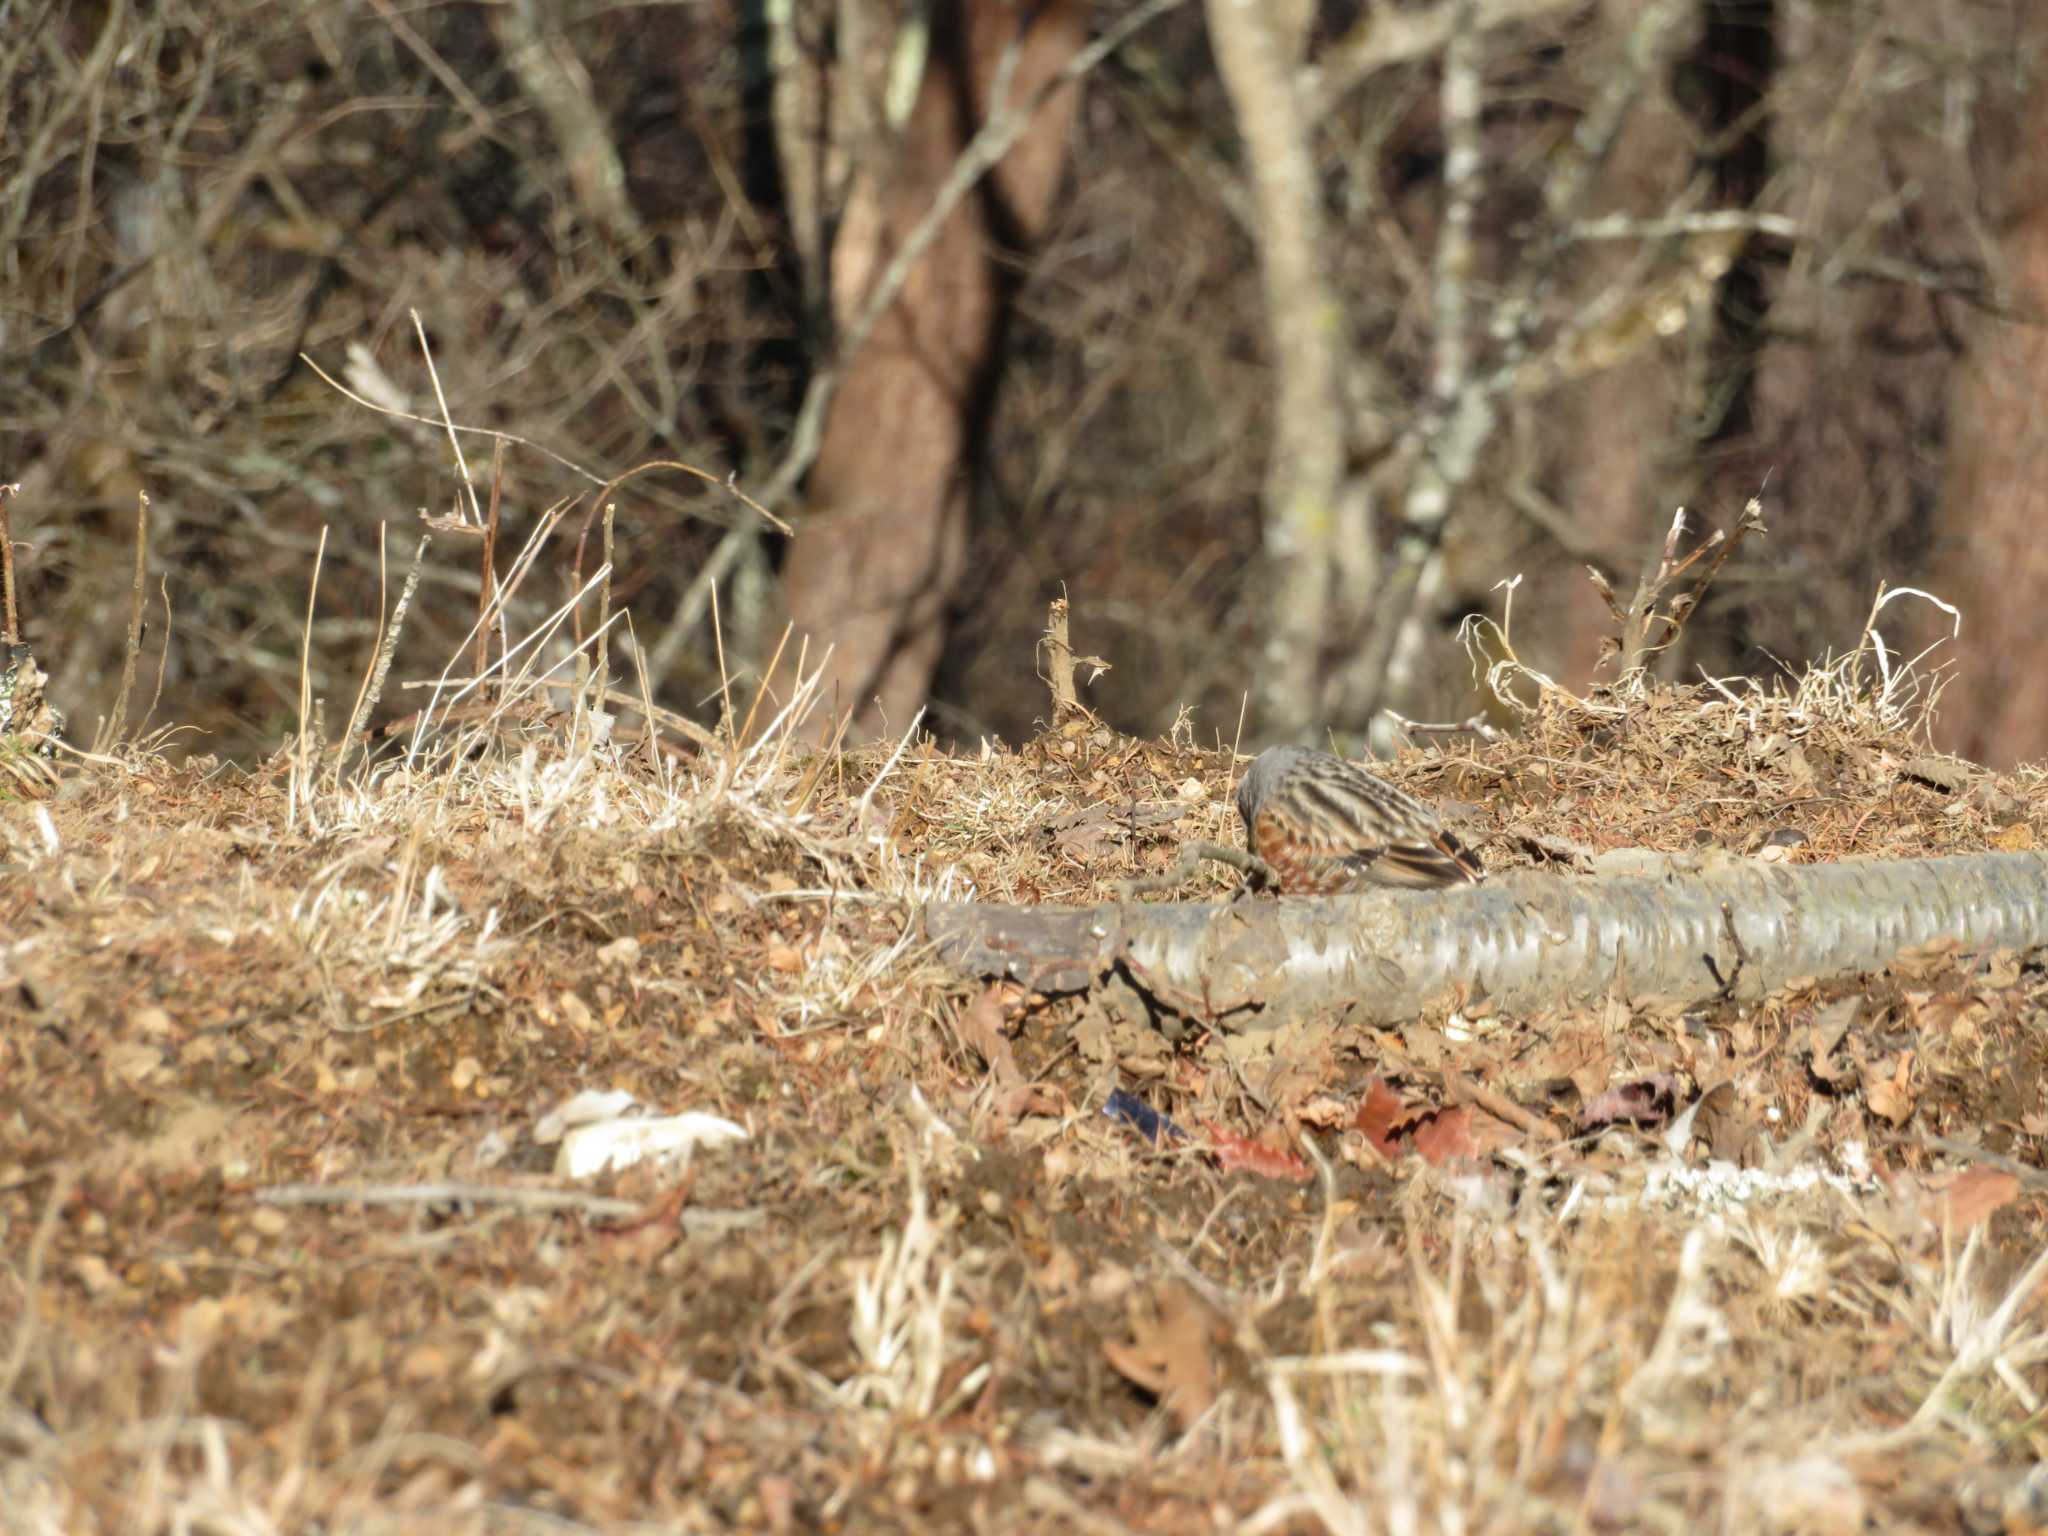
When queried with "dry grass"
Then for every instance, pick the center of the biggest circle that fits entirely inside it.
(935, 1287)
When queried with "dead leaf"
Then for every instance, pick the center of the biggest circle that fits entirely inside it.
(1235, 1151)
(1923, 962)
(980, 1028)
(1975, 1194)
(2002, 969)
(1447, 1135)
(2017, 838)
(1324, 1111)
(1727, 1132)
(1951, 1015)
(1800, 779)
(1383, 1118)
(1648, 1101)
(1825, 1033)
(1889, 1093)
(1171, 1353)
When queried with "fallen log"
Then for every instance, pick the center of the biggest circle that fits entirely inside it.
(1530, 941)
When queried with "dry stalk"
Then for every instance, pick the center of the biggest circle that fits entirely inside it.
(355, 714)
(487, 584)
(387, 645)
(604, 600)
(454, 1192)
(1644, 631)
(163, 655)
(1059, 659)
(447, 422)
(109, 735)
(696, 595)
(11, 633)
(767, 676)
(732, 741)
(523, 652)
(303, 750)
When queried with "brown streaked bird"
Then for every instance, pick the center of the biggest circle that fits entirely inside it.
(1327, 826)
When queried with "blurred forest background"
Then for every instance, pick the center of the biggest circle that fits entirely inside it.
(1276, 334)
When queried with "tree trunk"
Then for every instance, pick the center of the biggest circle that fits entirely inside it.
(1258, 47)
(1991, 534)
(883, 542)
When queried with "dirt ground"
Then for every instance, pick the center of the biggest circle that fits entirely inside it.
(283, 1244)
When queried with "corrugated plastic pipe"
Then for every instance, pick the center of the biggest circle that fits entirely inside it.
(1531, 941)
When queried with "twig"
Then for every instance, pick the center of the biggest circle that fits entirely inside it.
(1476, 725)
(448, 1192)
(445, 1192)
(63, 1184)
(1642, 616)
(1257, 872)
(1458, 1086)
(1741, 949)
(431, 421)
(1623, 226)
(1383, 37)
(446, 422)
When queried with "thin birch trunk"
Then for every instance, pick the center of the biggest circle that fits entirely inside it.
(1258, 48)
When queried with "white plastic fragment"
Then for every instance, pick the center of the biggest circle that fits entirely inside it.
(587, 1107)
(589, 1150)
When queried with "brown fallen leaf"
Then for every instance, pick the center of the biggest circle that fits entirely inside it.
(980, 1028)
(1825, 1034)
(1890, 1093)
(2017, 838)
(1648, 1101)
(1235, 1151)
(1383, 1118)
(1923, 962)
(1954, 1015)
(1171, 1353)
(1974, 1195)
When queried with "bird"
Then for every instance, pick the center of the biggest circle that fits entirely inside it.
(1325, 826)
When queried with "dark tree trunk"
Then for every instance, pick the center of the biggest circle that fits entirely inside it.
(881, 551)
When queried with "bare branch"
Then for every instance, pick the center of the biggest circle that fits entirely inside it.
(1384, 37)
